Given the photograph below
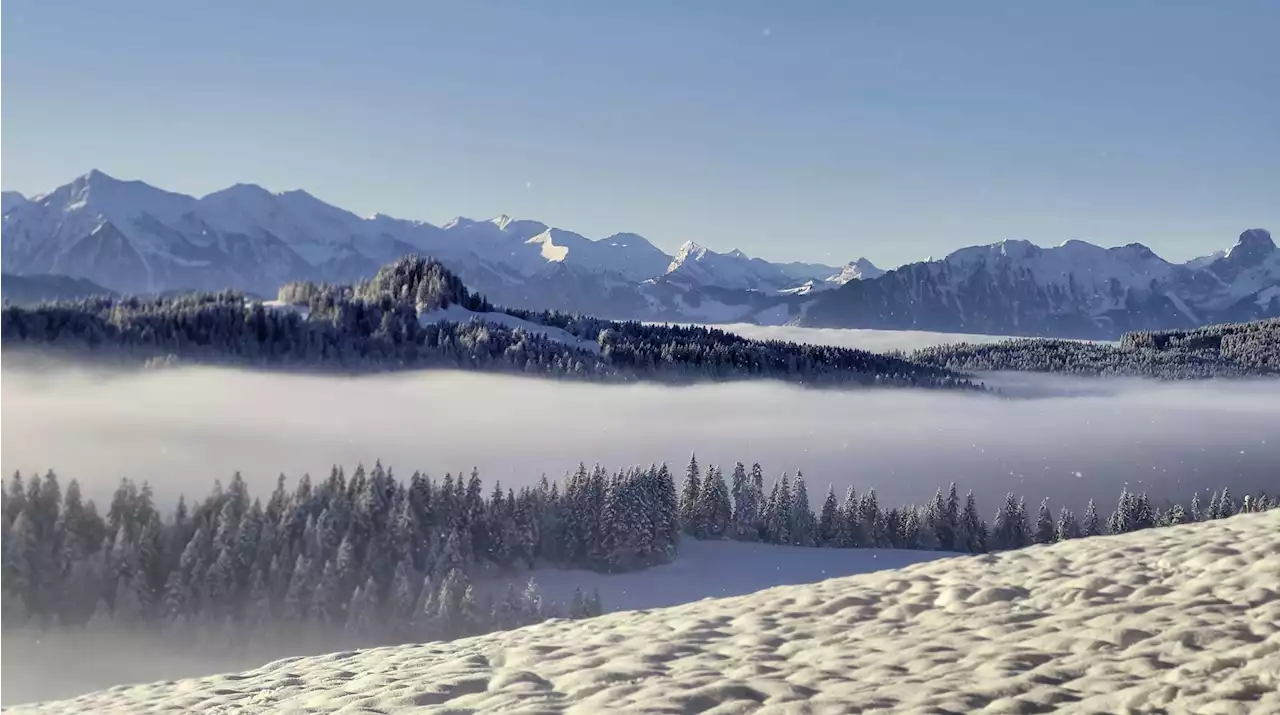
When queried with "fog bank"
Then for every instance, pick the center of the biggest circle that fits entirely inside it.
(181, 429)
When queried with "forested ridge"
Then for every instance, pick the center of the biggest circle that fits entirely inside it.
(387, 323)
(378, 560)
(1228, 350)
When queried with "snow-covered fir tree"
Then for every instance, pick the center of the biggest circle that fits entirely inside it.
(375, 559)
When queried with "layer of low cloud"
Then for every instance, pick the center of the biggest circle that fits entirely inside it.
(182, 429)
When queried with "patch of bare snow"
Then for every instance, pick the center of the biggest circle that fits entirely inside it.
(458, 314)
(1176, 620)
(282, 306)
(710, 569)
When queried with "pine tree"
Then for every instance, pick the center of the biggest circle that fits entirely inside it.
(740, 492)
(667, 523)
(778, 512)
(873, 528)
(974, 528)
(804, 527)
(1091, 525)
(948, 528)
(1067, 526)
(755, 508)
(1214, 509)
(689, 498)
(593, 606)
(829, 520)
(1009, 530)
(909, 528)
(449, 604)
(714, 509)
(849, 528)
(532, 602)
(578, 604)
(1226, 504)
(22, 577)
(1044, 524)
(403, 597)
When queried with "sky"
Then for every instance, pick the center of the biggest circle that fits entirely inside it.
(813, 131)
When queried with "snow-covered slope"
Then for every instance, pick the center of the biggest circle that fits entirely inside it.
(458, 314)
(1177, 620)
(711, 569)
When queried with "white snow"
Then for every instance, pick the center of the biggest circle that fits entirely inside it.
(458, 314)
(285, 307)
(1204, 261)
(1177, 620)
(703, 569)
(1073, 267)
(711, 569)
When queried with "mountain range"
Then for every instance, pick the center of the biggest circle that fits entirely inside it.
(131, 237)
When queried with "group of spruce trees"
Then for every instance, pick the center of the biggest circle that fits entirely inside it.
(1227, 350)
(378, 325)
(710, 508)
(382, 561)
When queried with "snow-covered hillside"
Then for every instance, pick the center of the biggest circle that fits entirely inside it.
(458, 314)
(713, 569)
(1181, 619)
(61, 665)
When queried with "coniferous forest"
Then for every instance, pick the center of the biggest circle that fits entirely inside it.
(373, 559)
(386, 323)
(1228, 350)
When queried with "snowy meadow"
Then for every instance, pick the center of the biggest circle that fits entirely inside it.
(1170, 620)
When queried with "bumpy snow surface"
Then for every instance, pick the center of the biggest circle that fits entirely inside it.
(1183, 619)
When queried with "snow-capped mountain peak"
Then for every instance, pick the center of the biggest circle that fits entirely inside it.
(1252, 246)
(97, 192)
(859, 269)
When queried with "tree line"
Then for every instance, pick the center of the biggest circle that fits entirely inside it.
(380, 560)
(1228, 350)
(384, 324)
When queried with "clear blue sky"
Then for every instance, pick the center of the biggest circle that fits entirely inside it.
(791, 130)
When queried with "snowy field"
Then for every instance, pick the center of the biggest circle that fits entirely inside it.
(182, 429)
(1177, 620)
(42, 666)
(714, 569)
